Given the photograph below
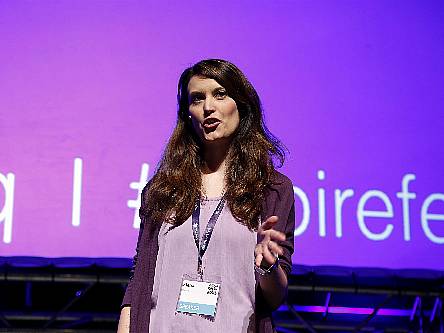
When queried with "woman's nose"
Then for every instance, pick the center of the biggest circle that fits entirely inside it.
(208, 105)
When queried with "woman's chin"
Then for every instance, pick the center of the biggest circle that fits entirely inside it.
(213, 136)
(215, 139)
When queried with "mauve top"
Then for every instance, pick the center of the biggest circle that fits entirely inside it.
(279, 200)
(228, 260)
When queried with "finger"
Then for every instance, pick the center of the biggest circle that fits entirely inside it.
(269, 223)
(258, 259)
(257, 250)
(275, 248)
(268, 257)
(276, 235)
(272, 235)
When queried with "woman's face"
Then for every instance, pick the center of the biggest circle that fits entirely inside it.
(213, 113)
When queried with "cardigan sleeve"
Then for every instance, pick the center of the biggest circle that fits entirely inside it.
(127, 297)
(129, 289)
(288, 244)
(280, 202)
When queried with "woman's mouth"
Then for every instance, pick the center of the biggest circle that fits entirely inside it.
(211, 123)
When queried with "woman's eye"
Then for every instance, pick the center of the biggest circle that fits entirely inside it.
(221, 94)
(195, 99)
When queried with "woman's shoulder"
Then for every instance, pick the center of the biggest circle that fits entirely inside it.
(144, 194)
(280, 190)
(143, 211)
(279, 199)
(281, 183)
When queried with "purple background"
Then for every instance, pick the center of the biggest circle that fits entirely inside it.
(354, 88)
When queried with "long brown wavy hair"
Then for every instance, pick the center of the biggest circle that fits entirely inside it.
(172, 192)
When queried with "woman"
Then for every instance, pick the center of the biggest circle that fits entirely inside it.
(216, 238)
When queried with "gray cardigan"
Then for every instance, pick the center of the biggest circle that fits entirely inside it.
(279, 200)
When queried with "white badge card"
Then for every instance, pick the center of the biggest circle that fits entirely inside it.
(198, 297)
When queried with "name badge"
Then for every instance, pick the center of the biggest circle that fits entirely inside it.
(198, 297)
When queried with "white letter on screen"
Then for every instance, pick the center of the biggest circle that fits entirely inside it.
(340, 197)
(425, 216)
(77, 191)
(7, 210)
(321, 205)
(135, 204)
(405, 196)
(362, 213)
(305, 211)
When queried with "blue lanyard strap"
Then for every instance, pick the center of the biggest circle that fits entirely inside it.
(202, 246)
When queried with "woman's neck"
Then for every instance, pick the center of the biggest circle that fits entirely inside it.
(215, 160)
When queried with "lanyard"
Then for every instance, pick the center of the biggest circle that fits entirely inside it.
(202, 247)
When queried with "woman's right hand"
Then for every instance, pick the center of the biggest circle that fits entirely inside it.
(124, 321)
(268, 249)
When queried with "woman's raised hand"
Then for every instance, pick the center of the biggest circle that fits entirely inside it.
(267, 250)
